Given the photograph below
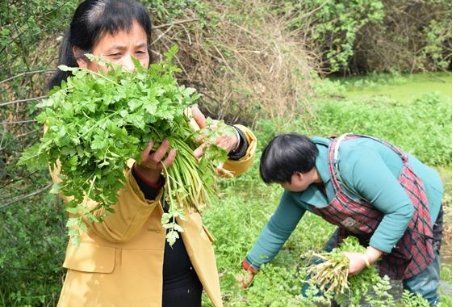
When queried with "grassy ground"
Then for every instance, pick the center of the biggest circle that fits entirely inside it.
(421, 126)
(237, 220)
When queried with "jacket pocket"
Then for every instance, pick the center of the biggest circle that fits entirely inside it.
(90, 258)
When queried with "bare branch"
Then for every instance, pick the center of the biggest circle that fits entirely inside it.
(19, 122)
(2, 206)
(175, 23)
(161, 35)
(304, 16)
(2, 104)
(44, 71)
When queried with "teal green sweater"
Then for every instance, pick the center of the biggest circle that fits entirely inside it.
(369, 169)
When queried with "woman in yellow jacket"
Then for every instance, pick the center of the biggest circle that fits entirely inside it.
(125, 261)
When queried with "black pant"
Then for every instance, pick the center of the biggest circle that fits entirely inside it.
(181, 287)
(185, 292)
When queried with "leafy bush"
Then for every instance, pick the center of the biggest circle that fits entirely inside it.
(32, 239)
(376, 35)
(335, 25)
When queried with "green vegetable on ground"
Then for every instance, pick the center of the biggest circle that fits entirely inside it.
(97, 121)
(330, 273)
(329, 281)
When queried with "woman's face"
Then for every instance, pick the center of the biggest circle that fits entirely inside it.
(119, 49)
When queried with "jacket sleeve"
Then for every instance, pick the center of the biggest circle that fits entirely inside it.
(276, 231)
(237, 167)
(131, 211)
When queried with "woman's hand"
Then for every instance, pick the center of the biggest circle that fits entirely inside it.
(153, 162)
(226, 142)
(358, 261)
(245, 279)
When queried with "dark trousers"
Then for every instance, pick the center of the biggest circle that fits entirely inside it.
(185, 293)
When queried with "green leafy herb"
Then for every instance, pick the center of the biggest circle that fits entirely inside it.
(330, 275)
(97, 121)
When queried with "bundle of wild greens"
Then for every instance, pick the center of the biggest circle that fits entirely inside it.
(97, 121)
(329, 274)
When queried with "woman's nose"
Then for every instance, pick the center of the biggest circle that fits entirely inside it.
(127, 63)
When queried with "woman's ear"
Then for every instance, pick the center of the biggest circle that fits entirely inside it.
(80, 57)
(299, 175)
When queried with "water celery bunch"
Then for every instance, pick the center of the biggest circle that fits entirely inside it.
(96, 121)
(329, 273)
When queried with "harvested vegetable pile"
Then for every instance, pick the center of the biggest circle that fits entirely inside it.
(329, 281)
(330, 274)
(97, 121)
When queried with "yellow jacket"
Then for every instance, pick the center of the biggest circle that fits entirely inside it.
(119, 262)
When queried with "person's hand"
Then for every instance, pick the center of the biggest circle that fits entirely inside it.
(153, 162)
(358, 261)
(245, 279)
(226, 142)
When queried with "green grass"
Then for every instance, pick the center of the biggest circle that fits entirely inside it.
(421, 126)
(400, 87)
(236, 222)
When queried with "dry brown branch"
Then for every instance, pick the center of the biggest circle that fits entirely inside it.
(178, 22)
(161, 35)
(2, 104)
(21, 198)
(245, 68)
(19, 122)
(45, 71)
(292, 21)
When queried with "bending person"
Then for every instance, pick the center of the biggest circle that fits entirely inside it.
(368, 188)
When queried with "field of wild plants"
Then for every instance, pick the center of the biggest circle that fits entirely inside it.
(421, 125)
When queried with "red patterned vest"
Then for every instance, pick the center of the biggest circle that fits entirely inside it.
(414, 251)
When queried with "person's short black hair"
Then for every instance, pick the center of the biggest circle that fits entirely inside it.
(285, 155)
(92, 19)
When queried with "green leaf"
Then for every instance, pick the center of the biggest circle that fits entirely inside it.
(55, 188)
(98, 120)
(72, 210)
(171, 237)
(66, 68)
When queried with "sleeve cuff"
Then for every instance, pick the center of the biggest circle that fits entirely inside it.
(249, 268)
(385, 249)
(150, 190)
(239, 152)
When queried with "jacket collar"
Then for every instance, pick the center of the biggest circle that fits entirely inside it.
(312, 195)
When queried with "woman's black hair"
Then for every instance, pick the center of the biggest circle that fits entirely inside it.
(91, 20)
(285, 155)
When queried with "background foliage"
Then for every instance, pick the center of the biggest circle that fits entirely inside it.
(250, 59)
(376, 35)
